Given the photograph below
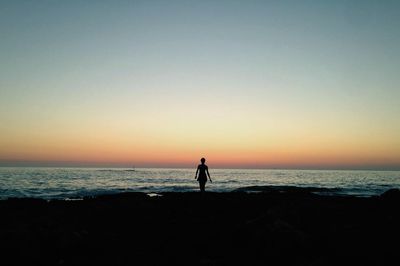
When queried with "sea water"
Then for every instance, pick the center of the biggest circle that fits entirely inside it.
(64, 183)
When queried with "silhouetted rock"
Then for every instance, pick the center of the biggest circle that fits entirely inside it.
(292, 227)
(391, 194)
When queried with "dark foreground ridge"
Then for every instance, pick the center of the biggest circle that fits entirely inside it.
(269, 228)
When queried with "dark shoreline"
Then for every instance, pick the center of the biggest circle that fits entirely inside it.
(293, 227)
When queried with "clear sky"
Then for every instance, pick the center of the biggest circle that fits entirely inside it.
(298, 84)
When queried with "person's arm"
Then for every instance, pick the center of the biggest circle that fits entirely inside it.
(209, 177)
(195, 176)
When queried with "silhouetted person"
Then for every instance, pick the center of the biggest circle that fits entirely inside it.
(202, 170)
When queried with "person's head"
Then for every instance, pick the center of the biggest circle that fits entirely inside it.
(202, 160)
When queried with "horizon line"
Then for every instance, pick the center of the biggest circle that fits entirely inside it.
(75, 164)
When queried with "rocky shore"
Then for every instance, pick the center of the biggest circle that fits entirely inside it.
(271, 227)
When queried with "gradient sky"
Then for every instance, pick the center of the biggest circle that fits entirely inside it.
(298, 84)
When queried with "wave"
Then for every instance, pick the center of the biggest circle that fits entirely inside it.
(287, 189)
(116, 170)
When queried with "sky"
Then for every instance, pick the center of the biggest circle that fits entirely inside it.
(252, 84)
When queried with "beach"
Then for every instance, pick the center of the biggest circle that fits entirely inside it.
(270, 227)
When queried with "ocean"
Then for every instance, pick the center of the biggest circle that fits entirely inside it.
(71, 183)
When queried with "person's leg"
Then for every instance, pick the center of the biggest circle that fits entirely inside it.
(202, 186)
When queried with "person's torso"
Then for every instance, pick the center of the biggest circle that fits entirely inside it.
(202, 169)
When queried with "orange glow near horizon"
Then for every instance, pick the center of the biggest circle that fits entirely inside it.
(256, 151)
